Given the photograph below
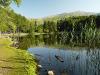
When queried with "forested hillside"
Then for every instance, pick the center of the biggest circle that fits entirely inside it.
(70, 14)
(11, 22)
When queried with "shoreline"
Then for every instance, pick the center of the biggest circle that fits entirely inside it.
(19, 61)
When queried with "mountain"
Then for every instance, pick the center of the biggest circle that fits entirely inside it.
(64, 15)
(98, 14)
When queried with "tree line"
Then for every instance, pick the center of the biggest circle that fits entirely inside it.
(80, 30)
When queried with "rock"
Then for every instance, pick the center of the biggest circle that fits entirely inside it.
(50, 73)
(40, 66)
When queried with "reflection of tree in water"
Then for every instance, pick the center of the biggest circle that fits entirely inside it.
(30, 40)
(26, 42)
(82, 62)
(50, 39)
(93, 62)
(54, 40)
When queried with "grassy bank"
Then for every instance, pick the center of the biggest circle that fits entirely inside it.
(14, 61)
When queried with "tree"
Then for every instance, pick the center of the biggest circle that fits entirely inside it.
(6, 3)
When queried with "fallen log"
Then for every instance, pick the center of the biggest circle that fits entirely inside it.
(59, 58)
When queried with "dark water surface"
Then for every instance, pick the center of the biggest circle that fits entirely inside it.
(53, 54)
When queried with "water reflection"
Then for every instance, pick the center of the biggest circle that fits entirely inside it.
(50, 40)
(81, 62)
(76, 62)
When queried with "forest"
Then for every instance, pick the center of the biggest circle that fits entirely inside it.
(77, 30)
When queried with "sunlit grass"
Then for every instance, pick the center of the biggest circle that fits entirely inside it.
(14, 61)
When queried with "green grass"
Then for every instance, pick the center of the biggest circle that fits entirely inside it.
(15, 61)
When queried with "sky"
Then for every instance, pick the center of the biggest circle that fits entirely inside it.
(43, 8)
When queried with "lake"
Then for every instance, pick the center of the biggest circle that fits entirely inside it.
(53, 53)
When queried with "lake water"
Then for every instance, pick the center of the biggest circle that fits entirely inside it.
(54, 54)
